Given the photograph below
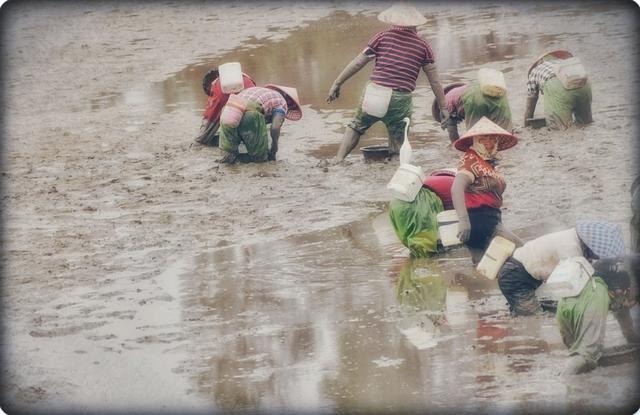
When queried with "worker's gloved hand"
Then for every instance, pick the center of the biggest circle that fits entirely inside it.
(464, 229)
(334, 92)
(228, 158)
(445, 118)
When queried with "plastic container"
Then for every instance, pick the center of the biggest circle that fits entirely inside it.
(406, 182)
(571, 73)
(568, 279)
(376, 100)
(492, 82)
(233, 111)
(448, 228)
(231, 77)
(498, 251)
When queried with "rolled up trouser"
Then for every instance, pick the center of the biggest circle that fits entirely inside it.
(518, 287)
(415, 223)
(400, 107)
(561, 105)
(477, 105)
(252, 131)
(582, 320)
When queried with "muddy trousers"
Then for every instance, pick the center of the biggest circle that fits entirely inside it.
(252, 131)
(400, 107)
(519, 288)
(582, 320)
(561, 105)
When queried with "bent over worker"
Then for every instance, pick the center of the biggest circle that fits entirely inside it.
(561, 105)
(216, 100)
(270, 104)
(399, 53)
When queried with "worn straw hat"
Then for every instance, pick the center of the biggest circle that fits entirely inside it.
(295, 112)
(449, 171)
(435, 110)
(559, 54)
(402, 14)
(485, 126)
(603, 238)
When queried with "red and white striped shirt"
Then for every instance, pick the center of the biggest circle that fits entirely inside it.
(400, 54)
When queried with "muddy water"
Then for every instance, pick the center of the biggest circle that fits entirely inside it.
(343, 320)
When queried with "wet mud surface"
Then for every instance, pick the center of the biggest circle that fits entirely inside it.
(141, 275)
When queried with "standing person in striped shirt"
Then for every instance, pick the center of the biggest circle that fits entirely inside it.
(561, 105)
(399, 55)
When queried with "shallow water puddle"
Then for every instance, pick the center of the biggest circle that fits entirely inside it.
(343, 319)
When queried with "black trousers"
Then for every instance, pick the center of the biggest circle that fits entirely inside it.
(519, 287)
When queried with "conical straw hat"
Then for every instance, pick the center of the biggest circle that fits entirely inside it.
(560, 54)
(402, 14)
(485, 126)
(295, 112)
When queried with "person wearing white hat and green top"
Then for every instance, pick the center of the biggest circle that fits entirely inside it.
(477, 188)
(562, 103)
(259, 106)
(399, 54)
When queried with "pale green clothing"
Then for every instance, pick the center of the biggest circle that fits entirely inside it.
(582, 320)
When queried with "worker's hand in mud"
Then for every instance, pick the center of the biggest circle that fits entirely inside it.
(334, 92)
(228, 158)
(464, 229)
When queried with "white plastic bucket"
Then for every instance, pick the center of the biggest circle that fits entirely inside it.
(448, 228)
(571, 73)
(376, 100)
(498, 251)
(233, 111)
(231, 77)
(568, 279)
(492, 82)
(406, 182)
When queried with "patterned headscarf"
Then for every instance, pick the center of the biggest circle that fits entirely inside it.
(603, 238)
(482, 151)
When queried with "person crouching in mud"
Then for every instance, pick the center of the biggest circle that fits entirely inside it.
(216, 100)
(561, 103)
(582, 319)
(251, 110)
(532, 263)
(477, 188)
(399, 55)
(415, 223)
(468, 102)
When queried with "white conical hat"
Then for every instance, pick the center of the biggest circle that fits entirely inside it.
(485, 126)
(402, 14)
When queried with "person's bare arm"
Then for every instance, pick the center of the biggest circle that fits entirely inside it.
(351, 69)
(276, 124)
(434, 80)
(460, 184)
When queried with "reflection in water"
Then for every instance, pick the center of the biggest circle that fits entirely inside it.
(310, 58)
(336, 320)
